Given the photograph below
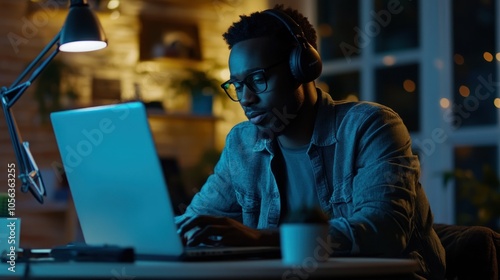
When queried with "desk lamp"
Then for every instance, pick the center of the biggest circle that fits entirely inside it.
(81, 32)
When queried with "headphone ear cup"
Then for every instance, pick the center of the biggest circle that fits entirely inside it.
(305, 63)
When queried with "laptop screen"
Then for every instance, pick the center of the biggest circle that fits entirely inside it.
(116, 179)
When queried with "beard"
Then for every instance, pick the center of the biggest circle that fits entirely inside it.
(277, 122)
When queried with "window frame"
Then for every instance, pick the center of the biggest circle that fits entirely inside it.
(436, 138)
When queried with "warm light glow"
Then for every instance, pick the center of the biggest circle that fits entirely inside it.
(488, 56)
(459, 59)
(82, 46)
(497, 102)
(115, 15)
(352, 97)
(323, 86)
(497, 56)
(325, 30)
(444, 103)
(389, 60)
(409, 85)
(224, 74)
(464, 91)
(113, 4)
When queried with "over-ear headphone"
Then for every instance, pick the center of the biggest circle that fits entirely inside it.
(305, 62)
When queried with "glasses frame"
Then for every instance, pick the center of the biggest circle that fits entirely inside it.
(248, 84)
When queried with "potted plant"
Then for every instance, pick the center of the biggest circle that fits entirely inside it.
(202, 86)
(302, 234)
(478, 196)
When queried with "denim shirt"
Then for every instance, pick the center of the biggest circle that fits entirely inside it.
(365, 174)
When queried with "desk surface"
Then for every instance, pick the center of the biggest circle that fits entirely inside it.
(335, 268)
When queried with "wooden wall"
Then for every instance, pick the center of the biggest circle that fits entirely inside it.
(26, 27)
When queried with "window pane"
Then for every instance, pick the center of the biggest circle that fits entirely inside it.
(478, 194)
(336, 29)
(474, 60)
(398, 88)
(394, 25)
(341, 86)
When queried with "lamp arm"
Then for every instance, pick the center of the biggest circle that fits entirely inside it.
(14, 137)
(29, 174)
(14, 92)
(28, 170)
(28, 69)
(79, 16)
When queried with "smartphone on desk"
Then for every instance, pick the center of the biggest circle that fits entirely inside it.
(92, 253)
(71, 252)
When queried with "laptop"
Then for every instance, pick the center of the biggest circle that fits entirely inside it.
(118, 186)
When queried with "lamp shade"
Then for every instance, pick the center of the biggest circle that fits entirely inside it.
(82, 31)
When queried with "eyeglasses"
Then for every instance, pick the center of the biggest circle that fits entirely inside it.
(255, 81)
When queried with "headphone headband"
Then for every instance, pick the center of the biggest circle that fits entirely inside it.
(290, 24)
(305, 62)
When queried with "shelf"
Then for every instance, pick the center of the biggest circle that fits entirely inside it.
(157, 114)
(165, 64)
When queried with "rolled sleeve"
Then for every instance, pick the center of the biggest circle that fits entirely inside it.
(217, 196)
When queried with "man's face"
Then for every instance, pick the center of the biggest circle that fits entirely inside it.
(276, 107)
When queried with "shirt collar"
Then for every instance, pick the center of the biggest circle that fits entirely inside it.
(324, 127)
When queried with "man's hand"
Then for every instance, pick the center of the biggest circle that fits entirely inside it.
(212, 230)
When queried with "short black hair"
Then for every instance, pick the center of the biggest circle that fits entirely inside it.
(259, 24)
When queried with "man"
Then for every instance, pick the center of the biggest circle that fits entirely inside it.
(302, 149)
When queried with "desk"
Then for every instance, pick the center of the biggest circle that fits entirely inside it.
(335, 268)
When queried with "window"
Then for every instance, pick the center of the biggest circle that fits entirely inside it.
(476, 188)
(435, 63)
(473, 112)
(399, 28)
(344, 86)
(474, 57)
(337, 21)
(396, 87)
